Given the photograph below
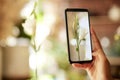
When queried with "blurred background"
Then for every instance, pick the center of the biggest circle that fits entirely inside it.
(33, 33)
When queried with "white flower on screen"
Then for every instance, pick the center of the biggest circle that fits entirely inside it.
(82, 34)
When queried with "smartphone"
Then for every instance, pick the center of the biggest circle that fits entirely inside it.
(78, 35)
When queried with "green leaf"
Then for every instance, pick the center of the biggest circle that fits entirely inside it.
(77, 49)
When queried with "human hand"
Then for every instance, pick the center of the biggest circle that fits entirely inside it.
(99, 68)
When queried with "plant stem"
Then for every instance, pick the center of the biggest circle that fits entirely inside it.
(78, 50)
(36, 73)
(78, 53)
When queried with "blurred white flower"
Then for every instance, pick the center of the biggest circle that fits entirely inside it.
(41, 32)
(29, 25)
(27, 10)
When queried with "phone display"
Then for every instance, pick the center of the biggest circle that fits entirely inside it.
(78, 35)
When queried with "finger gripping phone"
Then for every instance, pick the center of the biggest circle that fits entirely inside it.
(78, 35)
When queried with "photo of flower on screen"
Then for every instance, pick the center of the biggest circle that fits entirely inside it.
(80, 47)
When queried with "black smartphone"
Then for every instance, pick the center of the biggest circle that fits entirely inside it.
(78, 35)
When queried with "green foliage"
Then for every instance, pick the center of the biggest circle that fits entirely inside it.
(58, 50)
(75, 75)
(38, 11)
(22, 34)
(115, 49)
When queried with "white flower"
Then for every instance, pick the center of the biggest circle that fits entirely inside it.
(82, 34)
(41, 32)
(29, 25)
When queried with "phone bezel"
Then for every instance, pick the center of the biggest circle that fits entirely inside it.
(76, 10)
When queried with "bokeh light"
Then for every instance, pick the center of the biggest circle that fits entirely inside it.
(114, 13)
(105, 42)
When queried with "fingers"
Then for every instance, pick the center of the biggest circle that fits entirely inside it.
(81, 66)
(96, 43)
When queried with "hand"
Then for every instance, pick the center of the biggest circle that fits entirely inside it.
(99, 68)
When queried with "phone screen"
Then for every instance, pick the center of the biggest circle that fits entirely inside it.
(78, 35)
